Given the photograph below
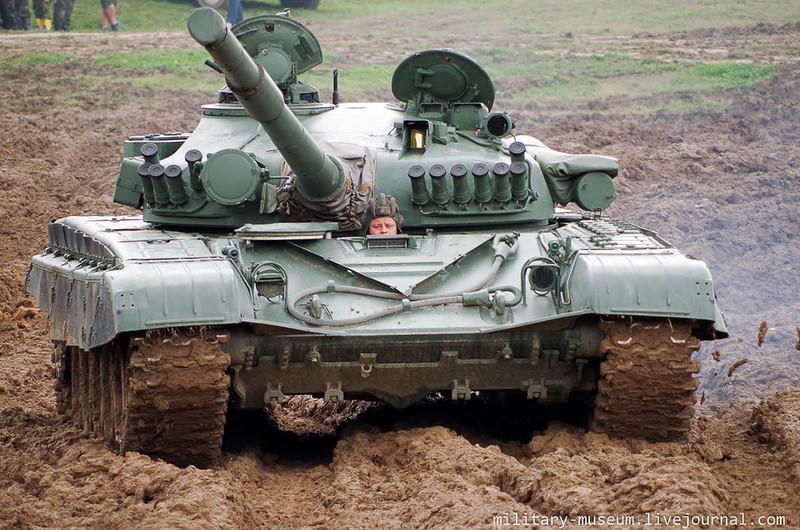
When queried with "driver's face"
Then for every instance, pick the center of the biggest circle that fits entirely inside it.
(382, 226)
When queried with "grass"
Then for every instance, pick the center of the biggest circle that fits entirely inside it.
(181, 69)
(685, 107)
(359, 83)
(616, 17)
(634, 83)
(542, 66)
(206, 84)
(134, 15)
(651, 76)
(172, 60)
(38, 59)
(723, 76)
(577, 16)
(535, 84)
(544, 79)
(546, 64)
(153, 15)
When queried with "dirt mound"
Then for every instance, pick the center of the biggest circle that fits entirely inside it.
(425, 477)
(568, 473)
(90, 486)
(592, 474)
(777, 421)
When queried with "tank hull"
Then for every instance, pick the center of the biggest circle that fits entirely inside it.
(106, 278)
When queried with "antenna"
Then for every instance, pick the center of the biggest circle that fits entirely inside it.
(214, 66)
(335, 86)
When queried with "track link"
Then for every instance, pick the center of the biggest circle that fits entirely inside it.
(647, 384)
(164, 394)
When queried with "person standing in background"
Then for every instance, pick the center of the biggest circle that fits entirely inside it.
(41, 12)
(18, 13)
(235, 13)
(5, 18)
(62, 14)
(109, 15)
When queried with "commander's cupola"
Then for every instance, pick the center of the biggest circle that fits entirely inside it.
(443, 88)
(285, 49)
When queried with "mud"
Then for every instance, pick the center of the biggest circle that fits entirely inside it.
(737, 364)
(777, 421)
(723, 185)
(762, 333)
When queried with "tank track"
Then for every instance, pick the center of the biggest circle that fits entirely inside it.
(164, 394)
(647, 384)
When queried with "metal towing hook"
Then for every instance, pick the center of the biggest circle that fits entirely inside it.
(494, 297)
(505, 246)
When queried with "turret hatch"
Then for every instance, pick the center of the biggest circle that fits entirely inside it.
(284, 47)
(442, 76)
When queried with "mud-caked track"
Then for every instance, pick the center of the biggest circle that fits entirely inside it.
(647, 384)
(164, 394)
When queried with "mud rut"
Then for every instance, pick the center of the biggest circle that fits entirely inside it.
(721, 185)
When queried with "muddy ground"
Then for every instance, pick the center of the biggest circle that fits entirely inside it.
(723, 185)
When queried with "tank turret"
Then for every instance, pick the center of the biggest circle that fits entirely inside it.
(269, 152)
(319, 177)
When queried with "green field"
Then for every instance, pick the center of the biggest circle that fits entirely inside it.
(558, 51)
(617, 17)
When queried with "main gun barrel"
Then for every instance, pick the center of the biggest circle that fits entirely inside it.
(319, 177)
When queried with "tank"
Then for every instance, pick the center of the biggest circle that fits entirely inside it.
(379, 251)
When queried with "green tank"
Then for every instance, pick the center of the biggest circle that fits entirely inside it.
(383, 251)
